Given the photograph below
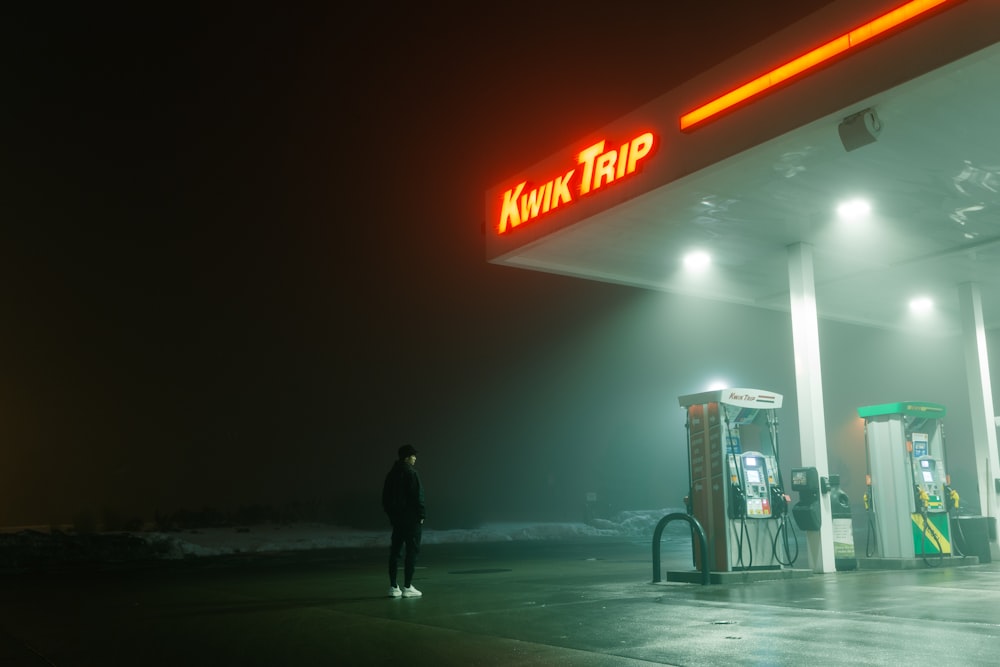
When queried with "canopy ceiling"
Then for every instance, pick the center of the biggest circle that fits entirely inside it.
(932, 178)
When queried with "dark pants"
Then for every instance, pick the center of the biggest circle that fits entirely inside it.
(404, 533)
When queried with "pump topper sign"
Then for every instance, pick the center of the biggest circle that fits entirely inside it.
(751, 398)
(595, 168)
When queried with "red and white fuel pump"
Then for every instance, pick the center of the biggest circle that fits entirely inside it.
(736, 489)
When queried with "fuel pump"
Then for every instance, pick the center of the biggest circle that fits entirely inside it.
(908, 494)
(736, 492)
(751, 477)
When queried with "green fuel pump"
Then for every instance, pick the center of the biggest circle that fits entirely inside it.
(908, 493)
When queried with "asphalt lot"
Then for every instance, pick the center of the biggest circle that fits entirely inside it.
(541, 603)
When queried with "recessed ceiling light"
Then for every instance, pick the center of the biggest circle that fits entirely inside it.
(921, 304)
(854, 209)
(697, 260)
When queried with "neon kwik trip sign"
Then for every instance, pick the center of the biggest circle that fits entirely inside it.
(595, 167)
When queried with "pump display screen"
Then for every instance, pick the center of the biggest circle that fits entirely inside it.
(750, 461)
(925, 464)
(753, 476)
(928, 477)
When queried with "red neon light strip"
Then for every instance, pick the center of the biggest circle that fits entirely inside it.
(807, 61)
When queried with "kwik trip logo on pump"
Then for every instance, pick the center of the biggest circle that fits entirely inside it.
(595, 168)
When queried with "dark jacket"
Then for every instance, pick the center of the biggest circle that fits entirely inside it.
(403, 495)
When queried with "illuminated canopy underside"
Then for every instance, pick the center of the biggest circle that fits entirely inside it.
(932, 176)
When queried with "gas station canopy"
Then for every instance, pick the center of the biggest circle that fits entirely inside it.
(890, 102)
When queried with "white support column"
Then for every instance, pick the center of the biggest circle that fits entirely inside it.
(977, 371)
(809, 391)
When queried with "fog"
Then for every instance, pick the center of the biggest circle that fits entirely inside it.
(243, 262)
(581, 399)
(590, 405)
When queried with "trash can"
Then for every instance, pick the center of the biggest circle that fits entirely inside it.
(843, 527)
(973, 534)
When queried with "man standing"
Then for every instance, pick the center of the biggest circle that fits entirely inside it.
(403, 501)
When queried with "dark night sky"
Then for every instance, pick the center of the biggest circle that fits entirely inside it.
(242, 256)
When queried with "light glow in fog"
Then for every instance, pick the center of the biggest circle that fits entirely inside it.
(697, 260)
(921, 305)
(854, 209)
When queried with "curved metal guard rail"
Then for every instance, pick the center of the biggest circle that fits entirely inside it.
(695, 527)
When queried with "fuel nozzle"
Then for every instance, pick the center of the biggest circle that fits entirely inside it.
(922, 498)
(953, 499)
(779, 501)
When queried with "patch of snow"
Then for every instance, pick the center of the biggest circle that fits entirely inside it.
(297, 537)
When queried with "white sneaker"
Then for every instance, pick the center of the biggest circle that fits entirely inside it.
(394, 591)
(411, 592)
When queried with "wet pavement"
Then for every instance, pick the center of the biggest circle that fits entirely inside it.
(541, 603)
